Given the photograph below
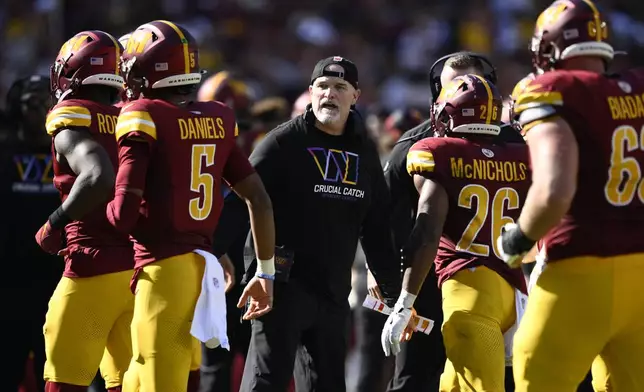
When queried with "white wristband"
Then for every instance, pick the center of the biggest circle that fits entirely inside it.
(266, 267)
(407, 299)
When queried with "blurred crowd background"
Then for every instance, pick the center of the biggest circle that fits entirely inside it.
(275, 43)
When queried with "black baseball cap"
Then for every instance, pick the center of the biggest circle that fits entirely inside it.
(350, 73)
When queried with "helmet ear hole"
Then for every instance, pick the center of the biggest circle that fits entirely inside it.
(443, 118)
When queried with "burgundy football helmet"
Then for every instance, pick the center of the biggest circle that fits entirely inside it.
(400, 121)
(224, 88)
(89, 57)
(160, 54)
(567, 29)
(469, 104)
(124, 38)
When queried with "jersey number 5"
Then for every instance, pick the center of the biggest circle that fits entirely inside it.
(620, 191)
(203, 155)
(483, 207)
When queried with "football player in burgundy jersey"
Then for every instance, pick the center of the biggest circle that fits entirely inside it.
(216, 362)
(469, 185)
(195, 364)
(174, 154)
(85, 81)
(584, 128)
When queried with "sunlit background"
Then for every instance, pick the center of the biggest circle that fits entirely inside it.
(275, 43)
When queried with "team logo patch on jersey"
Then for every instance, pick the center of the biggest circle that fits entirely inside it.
(625, 86)
(487, 153)
(337, 58)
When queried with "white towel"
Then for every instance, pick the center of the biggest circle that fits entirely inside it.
(520, 302)
(539, 266)
(209, 321)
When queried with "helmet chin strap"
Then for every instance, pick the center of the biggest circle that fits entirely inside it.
(62, 95)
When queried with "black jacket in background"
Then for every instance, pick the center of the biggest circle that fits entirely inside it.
(328, 192)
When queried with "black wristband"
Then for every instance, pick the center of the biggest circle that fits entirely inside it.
(515, 242)
(390, 292)
(58, 219)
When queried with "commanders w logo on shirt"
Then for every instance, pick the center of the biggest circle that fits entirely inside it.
(336, 165)
(34, 173)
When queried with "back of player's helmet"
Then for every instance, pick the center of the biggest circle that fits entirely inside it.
(223, 87)
(28, 101)
(124, 38)
(88, 58)
(400, 121)
(469, 104)
(567, 29)
(160, 54)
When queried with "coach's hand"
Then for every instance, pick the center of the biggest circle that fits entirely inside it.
(372, 287)
(260, 292)
(49, 239)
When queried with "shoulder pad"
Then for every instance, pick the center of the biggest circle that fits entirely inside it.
(135, 117)
(420, 158)
(543, 97)
(71, 113)
(547, 89)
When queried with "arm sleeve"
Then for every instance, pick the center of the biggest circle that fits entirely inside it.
(377, 240)
(237, 167)
(123, 211)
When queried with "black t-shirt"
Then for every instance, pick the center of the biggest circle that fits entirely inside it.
(29, 197)
(328, 192)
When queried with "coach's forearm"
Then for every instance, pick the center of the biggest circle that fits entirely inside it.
(262, 225)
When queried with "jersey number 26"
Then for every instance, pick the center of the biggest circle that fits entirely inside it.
(483, 209)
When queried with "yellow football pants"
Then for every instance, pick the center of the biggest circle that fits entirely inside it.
(165, 299)
(87, 317)
(114, 364)
(478, 306)
(579, 308)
